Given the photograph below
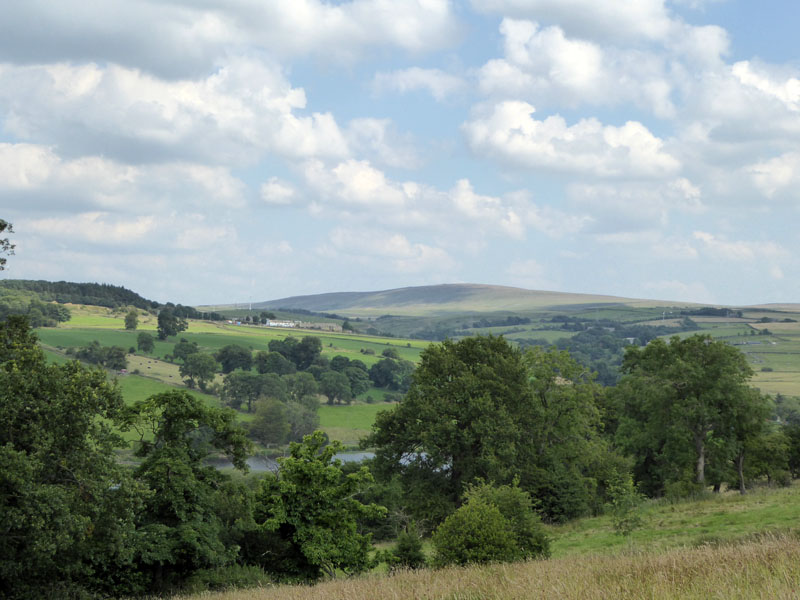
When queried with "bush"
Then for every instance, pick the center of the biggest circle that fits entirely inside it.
(408, 552)
(475, 533)
(516, 507)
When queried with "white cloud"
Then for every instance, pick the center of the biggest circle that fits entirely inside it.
(633, 206)
(486, 209)
(777, 174)
(509, 133)
(529, 274)
(95, 227)
(679, 290)
(355, 182)
(435, 81)
(391, 249)
(47, 181)
(180, 39)
(378, 140)
(738, 251)
(234, 115)
(610, 19)
(782, 86)
(277, 192)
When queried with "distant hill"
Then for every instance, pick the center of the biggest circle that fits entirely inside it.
(445, 299)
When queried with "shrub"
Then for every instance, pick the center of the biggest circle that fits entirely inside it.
(474, 533)
(516, 507)
(408, 552)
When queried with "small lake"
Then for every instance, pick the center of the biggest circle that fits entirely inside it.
(260, 464)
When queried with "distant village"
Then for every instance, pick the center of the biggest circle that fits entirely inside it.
(290, 325)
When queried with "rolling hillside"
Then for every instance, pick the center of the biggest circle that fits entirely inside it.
(445, 299)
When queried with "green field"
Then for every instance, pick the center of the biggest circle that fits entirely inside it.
(349, 424)
(713, 519)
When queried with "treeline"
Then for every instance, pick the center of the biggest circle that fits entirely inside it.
(93, 294)
(601, 347)
(40, 314)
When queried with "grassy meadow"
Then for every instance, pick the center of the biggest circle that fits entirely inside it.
(723, 546)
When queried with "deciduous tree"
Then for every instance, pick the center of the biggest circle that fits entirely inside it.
(311, 506)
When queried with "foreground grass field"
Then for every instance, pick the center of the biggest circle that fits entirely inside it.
(765, 567)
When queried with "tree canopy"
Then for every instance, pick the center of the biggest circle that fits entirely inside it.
(679, 404)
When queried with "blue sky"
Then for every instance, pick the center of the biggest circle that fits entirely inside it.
(218, 151)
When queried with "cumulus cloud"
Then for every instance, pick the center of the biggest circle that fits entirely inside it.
(392, 249)
(634, 206)
(438, 83)
(378, 139)
(277, 192)
(47, 181)
(234, 115)
(509, 133)
(738, 250)
(180, 39)
(459, 212)
(611, 19)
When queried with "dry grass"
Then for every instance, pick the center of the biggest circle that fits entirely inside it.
(767, 567)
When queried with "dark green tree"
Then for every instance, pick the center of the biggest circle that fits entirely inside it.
(674, 401)
(310, 507)
(198, 369)
(169, 324)
(359, 380)
(233, 357)
(273, 362)
(460, 420)
(183, 532)
(132, 319)
(336, 386)
(67, 507)
(270, 426)
(392, 374)
(183, 349)
(145, 342)
(306, 352)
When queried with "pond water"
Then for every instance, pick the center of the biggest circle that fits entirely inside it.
(259, 464)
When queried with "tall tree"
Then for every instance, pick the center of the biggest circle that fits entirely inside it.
(66, 505)
(482, 409)
(132, 319)
(674, 399)
(169, 324)
(182, 529)
(310, 506)
(459, 421)
(199, 369)
(145, 342)
(233, 357)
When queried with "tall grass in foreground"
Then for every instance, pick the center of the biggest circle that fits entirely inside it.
(764, 567)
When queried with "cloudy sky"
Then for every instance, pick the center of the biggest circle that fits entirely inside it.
(205, 151)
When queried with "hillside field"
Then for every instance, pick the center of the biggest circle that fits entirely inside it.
(721, 546)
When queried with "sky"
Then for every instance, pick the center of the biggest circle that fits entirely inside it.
(218, 151)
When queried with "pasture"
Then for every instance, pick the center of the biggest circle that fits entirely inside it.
(722, 546)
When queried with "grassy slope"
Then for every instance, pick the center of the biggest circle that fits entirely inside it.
(726, 546)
